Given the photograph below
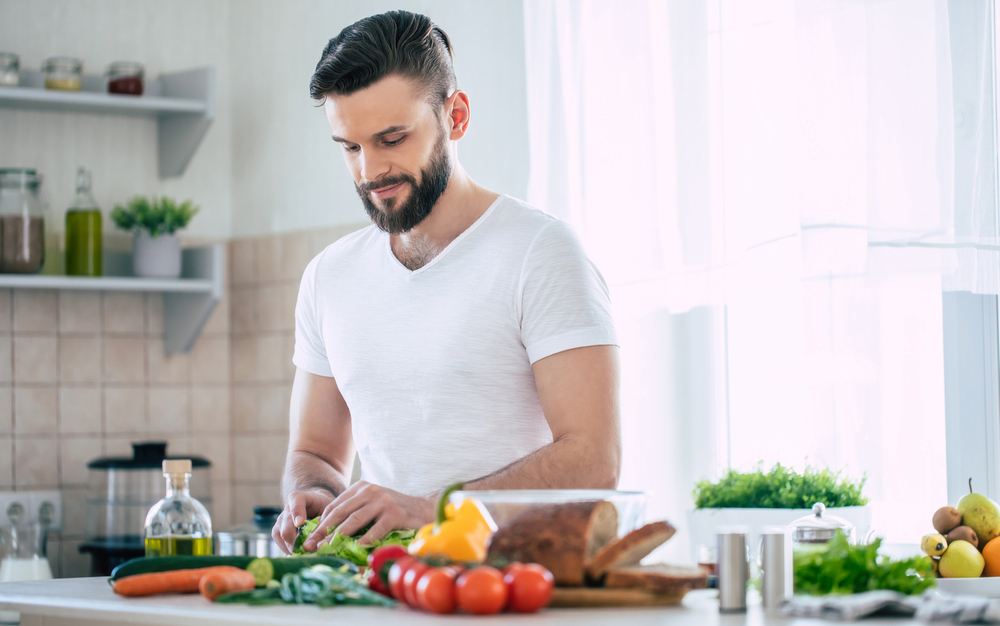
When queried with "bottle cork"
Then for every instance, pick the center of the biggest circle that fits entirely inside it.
(176, 466)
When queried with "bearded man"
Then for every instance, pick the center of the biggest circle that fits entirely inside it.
(464, 336)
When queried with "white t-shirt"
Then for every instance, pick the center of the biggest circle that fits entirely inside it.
(435, 364)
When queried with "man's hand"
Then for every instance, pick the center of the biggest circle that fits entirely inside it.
(300, 506)
(364, 503)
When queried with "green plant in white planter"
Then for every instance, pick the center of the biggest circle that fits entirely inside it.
(776, 497)
(154, 221)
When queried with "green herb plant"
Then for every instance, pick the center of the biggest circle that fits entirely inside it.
(156, 215)
(347, 547)
(780, 488)
(840, 568)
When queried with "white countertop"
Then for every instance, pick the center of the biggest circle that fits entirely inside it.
(92, 599)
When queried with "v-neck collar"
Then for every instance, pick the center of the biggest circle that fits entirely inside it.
(465, 233)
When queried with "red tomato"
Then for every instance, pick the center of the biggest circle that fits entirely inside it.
(530, 587)
(375, 584)
(410, 580)
(436, 590)
(481, 591)
(382, 558)
(396, 573)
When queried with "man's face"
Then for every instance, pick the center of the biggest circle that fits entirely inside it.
(396, 148)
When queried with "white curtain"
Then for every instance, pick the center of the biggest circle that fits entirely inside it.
(769, 189)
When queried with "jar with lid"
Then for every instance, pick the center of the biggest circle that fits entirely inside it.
(125, 77)
(63, 73)
(22, 223)
(819, 528)
(10, 69)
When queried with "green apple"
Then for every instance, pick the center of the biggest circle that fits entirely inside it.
(961, 560)
(981, 515)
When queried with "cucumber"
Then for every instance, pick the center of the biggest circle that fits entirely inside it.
(265, 569)
(153, 564)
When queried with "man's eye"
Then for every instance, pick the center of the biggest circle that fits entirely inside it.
(393, 143)
(348, 148)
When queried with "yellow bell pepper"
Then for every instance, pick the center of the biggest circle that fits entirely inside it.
(461, 534)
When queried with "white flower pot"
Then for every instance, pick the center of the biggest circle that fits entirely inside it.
(156, 257)
(702, 523)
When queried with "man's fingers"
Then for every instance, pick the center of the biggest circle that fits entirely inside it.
(297, 508)
(357, 520)
(379, 529)
(280, 533)
(334, 515)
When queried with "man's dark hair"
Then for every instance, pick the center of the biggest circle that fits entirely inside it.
(397, 42)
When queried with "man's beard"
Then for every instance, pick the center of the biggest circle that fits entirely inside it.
(433, 181)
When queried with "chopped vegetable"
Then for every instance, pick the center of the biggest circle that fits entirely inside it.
(780, 488)
(842, 568)
(346, 547)
(222, 581)
(461, 534)
(320, 585)
(174, 581)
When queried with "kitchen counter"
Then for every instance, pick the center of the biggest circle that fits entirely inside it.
(90, 601)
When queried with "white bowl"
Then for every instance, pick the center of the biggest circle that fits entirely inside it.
(988, 587)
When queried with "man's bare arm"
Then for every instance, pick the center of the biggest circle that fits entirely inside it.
(579, 392)
(320, 452)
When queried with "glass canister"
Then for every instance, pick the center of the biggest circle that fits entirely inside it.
(10, 69)
(63, 73)
(22, 223)
(125, 77)
(83, 231)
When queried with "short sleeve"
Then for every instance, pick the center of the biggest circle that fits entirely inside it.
(565, 302)
(310, 350)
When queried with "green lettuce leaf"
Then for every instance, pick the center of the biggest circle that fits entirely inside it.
(347, 547)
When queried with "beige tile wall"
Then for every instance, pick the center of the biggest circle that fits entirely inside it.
(264, 281)
(84, 374)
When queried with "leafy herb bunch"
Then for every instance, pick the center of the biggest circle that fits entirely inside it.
(779, 488)
(156, 215)
(839, 567)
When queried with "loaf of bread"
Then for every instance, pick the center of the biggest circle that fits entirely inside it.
(628, 550)
(561, 537)
(658, 577)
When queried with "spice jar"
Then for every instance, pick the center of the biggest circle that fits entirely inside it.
(63, 73)
(22, 227)
(125, 77)
(10, 66)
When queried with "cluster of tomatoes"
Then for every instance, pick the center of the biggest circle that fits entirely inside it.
(480, 590)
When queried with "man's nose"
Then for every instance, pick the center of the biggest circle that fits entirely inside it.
(372, 166)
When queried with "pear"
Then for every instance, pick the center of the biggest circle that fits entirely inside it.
(961, 560)
(981, 515)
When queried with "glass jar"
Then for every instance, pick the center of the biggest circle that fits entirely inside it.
(125, 77)
(83, 231)
(22, 223)
(63, 73)
(10, 69)
(178, 524)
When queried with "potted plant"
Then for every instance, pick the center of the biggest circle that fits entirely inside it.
(156, 250)
(778, 497)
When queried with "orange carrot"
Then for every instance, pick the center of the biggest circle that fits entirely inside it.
(219, 582)
(177, 581)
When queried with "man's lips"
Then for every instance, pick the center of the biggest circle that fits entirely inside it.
(386, 192)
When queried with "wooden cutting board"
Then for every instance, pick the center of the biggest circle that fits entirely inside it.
(588, 597)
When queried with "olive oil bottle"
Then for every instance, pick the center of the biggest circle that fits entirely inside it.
(178, 524)
(83, 231)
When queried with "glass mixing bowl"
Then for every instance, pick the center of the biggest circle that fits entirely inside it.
(504, 505)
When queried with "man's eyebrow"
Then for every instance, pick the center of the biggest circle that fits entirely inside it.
(381, 133)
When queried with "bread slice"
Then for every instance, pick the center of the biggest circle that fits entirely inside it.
(657, 577)
(560, 537)
(628, 550)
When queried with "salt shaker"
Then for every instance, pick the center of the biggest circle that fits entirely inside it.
(776, 569)
(733, 568)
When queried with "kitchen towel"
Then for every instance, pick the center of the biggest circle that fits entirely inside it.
(930, 607)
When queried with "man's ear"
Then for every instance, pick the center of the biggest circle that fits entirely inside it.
(459, 112)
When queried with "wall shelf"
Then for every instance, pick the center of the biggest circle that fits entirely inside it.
(187, 301)
(183, 103)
